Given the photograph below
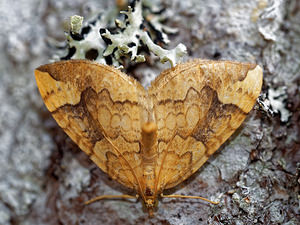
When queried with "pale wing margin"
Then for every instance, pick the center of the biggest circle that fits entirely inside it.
(101, 109)
(197, 106)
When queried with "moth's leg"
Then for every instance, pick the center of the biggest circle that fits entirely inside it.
(188, 196)
(110, 197)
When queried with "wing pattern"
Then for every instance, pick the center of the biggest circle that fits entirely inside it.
(196, 106)
(101, 109)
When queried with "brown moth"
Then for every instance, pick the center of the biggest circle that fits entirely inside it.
(149, 140)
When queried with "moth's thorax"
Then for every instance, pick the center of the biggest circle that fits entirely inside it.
(149, 138)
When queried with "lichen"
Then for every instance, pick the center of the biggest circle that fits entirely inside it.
(137, 32)
(277, 99)
(273, 102)
(75, 23)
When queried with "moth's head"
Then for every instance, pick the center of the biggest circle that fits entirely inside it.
(150, 205)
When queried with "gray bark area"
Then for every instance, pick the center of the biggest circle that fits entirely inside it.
(45, 178)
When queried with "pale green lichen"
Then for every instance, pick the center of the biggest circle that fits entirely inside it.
(75, 23)
(91, 40)
(131, 36)
(128, 40)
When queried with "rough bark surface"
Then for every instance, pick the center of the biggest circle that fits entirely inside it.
(44, 177)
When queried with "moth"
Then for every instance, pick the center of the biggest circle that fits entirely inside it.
(149, 140)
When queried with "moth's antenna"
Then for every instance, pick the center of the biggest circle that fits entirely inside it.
(188, 196)
(109, 197)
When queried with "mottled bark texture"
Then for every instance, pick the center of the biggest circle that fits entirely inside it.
(44, 177)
